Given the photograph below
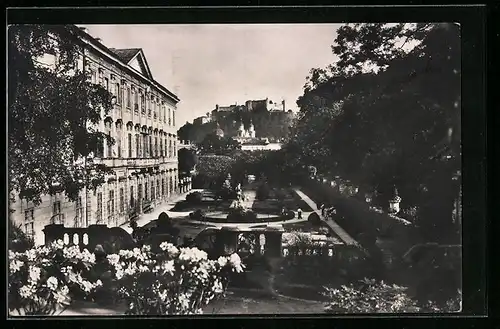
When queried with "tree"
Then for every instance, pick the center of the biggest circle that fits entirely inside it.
(213, 144)
(213, 168)
(185, 132)
(187, 160)
(51, 114)
(387, 113)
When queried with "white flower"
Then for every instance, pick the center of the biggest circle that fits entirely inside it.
(71, 252)
(34, 274)
(171, 250)
(222, 261)
(192, 255)
(119, 274)
(59, 244)
(52, 283)
(163, 295)
(98, 283)
(143, 268)
(26, 291)
(74, 277)
(168, 267)
(146, 248)
(218, 288)
(113, 259)
(184, 301)
(126, 254)
(15, 265)
(87, 286)
(235, 262)
(43, 250)
(131, 269)
(31, 254)
(86, 256)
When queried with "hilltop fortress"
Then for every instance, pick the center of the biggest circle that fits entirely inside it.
(256, 120)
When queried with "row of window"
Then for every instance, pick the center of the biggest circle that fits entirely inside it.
(150, 192)
(134, 98)
(144, 145)
(57, 216)
(156, 191)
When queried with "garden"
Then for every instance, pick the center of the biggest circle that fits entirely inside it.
(45, 280)
(230, 202)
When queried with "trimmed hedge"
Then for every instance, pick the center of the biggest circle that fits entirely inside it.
(194, 198)
(363, 224)
(241, 216)
(263, 192)
(197, 214)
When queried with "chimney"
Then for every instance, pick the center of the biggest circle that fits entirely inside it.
(283, 105)
(216, 106)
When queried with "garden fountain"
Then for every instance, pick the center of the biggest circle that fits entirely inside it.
(238, 202)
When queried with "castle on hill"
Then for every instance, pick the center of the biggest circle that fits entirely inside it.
(256, 121)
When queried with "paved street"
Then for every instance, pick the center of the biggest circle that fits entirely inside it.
(146, 218)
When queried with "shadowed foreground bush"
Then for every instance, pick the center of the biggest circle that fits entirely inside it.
(371, 296)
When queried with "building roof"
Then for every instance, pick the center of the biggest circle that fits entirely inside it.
(121, 56)
(126, 54)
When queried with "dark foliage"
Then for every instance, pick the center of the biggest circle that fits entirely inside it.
(18, 240)
(194, 198)
(239, 215)
(49, 108)
(263, 192)
(197, 214)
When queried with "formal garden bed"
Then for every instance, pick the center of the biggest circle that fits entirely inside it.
(273, 200)
(232, 205)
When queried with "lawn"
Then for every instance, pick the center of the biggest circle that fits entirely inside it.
(290, 200)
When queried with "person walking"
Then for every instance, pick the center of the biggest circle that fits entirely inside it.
(299, 212)
(322, 208)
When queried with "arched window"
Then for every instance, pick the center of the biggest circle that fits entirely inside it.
(137, 146)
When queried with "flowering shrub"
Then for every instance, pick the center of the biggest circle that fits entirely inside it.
(453, 304)
(300, 239)
(44, 279)
(174, 281)
(369, 297)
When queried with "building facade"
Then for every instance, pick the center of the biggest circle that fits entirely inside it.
(144, 156)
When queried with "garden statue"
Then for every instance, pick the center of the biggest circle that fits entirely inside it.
(239, 195)
(394, 202)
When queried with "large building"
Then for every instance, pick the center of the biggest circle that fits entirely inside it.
(144, 156)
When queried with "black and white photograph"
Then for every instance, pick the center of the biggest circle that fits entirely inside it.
(234, 169)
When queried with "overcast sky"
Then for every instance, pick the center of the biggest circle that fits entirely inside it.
(226, 64)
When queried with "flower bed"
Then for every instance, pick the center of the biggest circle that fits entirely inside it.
(44, 280)
(278, 199)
